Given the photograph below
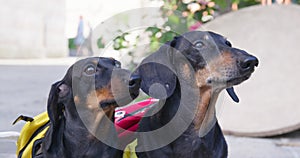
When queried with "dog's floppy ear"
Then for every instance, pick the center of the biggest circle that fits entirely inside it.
(157, 74)
(55, 108)
(161, 70)
(175, 42)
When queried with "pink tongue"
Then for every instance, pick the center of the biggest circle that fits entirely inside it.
(232, 94)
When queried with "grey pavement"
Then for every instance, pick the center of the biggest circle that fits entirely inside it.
(24, 90)
(279, 147)
(25, 85)
(7, 148)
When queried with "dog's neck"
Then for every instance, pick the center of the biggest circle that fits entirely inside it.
(204, 112)
(88, 119)
(71, 133)
(87, 122)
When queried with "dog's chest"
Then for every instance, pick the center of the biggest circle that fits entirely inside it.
(189, 144)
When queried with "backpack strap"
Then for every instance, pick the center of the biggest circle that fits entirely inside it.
(24, 118)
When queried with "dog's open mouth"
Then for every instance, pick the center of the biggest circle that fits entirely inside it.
(237, 80)
(106, 103)
(115, 102)
(232, 81)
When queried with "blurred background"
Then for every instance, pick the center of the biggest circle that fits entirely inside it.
(39, 40)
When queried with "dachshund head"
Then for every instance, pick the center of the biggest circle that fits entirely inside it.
(196, 60)
(91, 88)
(209, 56)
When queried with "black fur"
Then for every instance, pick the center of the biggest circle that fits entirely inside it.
(165, 67)
(67, 135)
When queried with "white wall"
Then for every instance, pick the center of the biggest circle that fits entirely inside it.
(38, 29)
(32, 29)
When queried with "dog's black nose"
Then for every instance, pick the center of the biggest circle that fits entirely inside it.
(249, 63)
(134, 81)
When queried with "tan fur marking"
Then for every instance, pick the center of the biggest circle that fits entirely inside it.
(76, 100)
(95, 97)
(201, 77)
(186, 71)
(202, 107)
(95, 62)
(206, 91)
(224, 60)
(104, 94)
(98, 117)
(92, 101)
(92, 104)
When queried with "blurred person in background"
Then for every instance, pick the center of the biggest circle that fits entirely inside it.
(79, 39)
(266, 2)
(269, 2)
(283, 1)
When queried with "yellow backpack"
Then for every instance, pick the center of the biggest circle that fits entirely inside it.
(32, 134)
(30, 139)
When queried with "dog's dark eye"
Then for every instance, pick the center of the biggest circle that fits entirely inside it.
(228, 43)
(199, 44)
(90, 70)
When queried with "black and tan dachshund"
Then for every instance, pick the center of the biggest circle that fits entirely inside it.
(187, 74)
(78, 104)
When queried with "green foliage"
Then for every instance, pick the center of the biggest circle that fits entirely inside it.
(182, 16)
(158, 36)
(100, 43)
(120, 42)
(247, 3)
(71, 43)
(223, 3)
